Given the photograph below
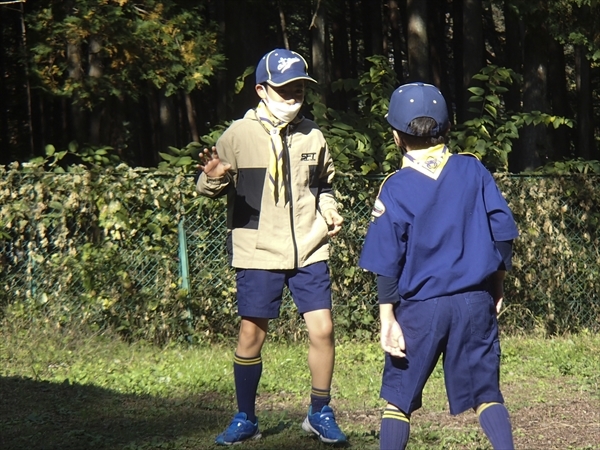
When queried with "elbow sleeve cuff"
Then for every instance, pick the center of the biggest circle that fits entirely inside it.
(505, 249)
(387, 290)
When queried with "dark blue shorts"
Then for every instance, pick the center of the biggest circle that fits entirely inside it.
(259, 292)
(464, 330)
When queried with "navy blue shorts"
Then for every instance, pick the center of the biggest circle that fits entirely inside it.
(463, 329)
(259, 292)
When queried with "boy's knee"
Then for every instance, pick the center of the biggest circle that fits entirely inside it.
(319, 325)
(252, 334)
(323, 333)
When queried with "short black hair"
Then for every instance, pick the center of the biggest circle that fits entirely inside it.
(420, 136)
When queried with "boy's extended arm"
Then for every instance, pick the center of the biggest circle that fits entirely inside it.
(334, 221)
(327, 202)
(497, 288)
(392, 338)
(213, 174)
(497, 278)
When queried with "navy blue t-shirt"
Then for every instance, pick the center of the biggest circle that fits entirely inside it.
(436, 236)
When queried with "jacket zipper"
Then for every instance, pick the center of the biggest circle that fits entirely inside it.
(288, 189)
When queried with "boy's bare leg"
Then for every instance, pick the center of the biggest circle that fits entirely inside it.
(321, 350)
(252, 335)
(247, 363)
(321, 357)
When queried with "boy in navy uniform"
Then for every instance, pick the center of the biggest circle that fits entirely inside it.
(440, 242)
(275, 168)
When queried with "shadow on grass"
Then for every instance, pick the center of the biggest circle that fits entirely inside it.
(36, 415)
(39, 415)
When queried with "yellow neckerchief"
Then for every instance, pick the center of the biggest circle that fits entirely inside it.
(429, 161)
(273, 126)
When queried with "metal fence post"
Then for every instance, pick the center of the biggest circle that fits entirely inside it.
(184, 266)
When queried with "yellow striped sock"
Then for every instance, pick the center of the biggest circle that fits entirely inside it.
(319, 398)
(247, 361)
(320, 392)
(395, 414)
(481, 408)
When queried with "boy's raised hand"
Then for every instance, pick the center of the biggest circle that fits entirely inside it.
(211, 164)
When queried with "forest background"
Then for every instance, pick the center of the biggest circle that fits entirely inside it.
(138, 81)
(101, 82)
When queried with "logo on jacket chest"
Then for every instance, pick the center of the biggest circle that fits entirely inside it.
(308, 157)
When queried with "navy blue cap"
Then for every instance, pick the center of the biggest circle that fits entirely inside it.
(280, 66)
(413, 100)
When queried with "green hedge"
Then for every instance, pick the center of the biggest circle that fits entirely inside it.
(104, 251)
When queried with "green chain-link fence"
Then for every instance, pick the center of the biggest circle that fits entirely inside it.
(55, 254)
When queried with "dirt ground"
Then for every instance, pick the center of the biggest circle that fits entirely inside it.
(562, 419)
(39, 415)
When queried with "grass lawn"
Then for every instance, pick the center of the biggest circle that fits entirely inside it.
(67, 390)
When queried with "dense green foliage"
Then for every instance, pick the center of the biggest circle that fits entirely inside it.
(359, 137)
(104, 251)
(75, 236)
(156, 44)
(491, 133)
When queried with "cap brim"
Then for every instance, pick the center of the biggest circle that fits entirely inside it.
(289, 80)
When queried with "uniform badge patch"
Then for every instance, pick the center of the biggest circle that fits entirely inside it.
(378, 208)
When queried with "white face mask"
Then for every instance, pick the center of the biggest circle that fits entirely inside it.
(282, 110)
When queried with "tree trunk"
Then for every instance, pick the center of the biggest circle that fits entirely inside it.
(39, 121)
(168, 122)
(151, 130)
(352, 8)
(458, 49)
(493, 49)
(513, 52)
(95, 71)
(75, 73)
(341, 51)
(585, 131)
(437, 39)
(5, 154)
(27, 85)
(319, 51)
(243, 26)
(340, 61)
(372, 27)
(191, 117)
(376, 20)
(534, 138)
(282, 24)
(221, 103)
(61, 131)
(557, 89)
(418, 42)
(397, 39)
(473, 52)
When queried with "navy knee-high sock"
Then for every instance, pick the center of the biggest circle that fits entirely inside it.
(319, 398)
(495, 421)
(247, 372)
(395, 430)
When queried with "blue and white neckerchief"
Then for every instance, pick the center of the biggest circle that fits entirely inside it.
(429, 161)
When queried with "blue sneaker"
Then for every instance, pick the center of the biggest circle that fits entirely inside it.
(324, 426)
(239, 430)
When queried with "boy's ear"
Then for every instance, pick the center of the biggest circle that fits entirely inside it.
(397, 138)
(261, 91)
